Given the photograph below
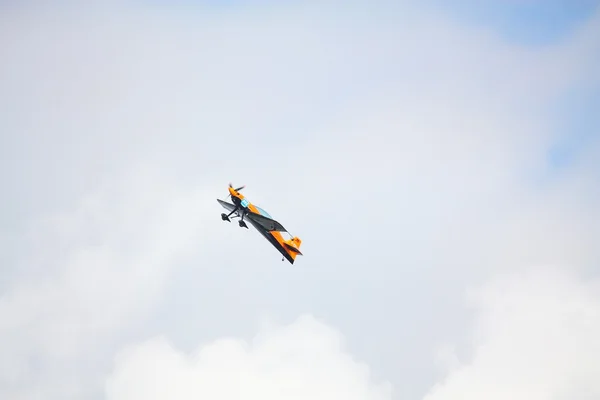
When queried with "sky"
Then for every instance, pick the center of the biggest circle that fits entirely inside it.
(439, 163)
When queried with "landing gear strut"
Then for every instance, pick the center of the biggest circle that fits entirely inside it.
(242, 223)
(225, 217)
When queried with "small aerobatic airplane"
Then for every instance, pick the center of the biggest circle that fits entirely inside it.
(263, 223)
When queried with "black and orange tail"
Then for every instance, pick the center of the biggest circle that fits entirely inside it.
(293, 246)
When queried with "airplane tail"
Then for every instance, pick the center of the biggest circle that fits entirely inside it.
(293, 246)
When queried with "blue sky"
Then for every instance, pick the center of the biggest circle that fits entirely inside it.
(538, 24)
(529, 22)
(581, 128)
(541, 23)
(121, 135)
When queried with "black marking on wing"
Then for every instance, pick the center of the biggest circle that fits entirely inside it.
(267, 223)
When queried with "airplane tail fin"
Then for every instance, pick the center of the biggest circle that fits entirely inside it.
(293, 246)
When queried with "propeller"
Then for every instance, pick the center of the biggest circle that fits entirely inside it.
(237, 189)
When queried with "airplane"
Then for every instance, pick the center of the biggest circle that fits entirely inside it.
(262, 221)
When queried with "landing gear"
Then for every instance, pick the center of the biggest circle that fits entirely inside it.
(242, 223)
(225, 217)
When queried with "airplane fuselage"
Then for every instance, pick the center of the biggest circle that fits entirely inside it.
(241, 203)
(243, 207)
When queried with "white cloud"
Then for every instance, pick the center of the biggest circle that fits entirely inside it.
(537, 337)
(303, 360)
(425, 127)
(94, 272)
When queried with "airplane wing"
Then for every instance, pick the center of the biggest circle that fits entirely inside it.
(266, 223)
(226, 205)
(259, 220)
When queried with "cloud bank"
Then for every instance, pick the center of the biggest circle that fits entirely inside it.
(92, 274)
(303, 360)
(536, 336)
(433, 135)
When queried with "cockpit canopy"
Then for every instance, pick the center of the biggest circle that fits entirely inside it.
(263, 212)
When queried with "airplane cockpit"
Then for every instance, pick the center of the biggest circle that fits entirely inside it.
(263, 212)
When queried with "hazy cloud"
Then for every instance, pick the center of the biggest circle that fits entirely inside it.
(92, 273)
(407, 151)
(536, 337)
(303, 360)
